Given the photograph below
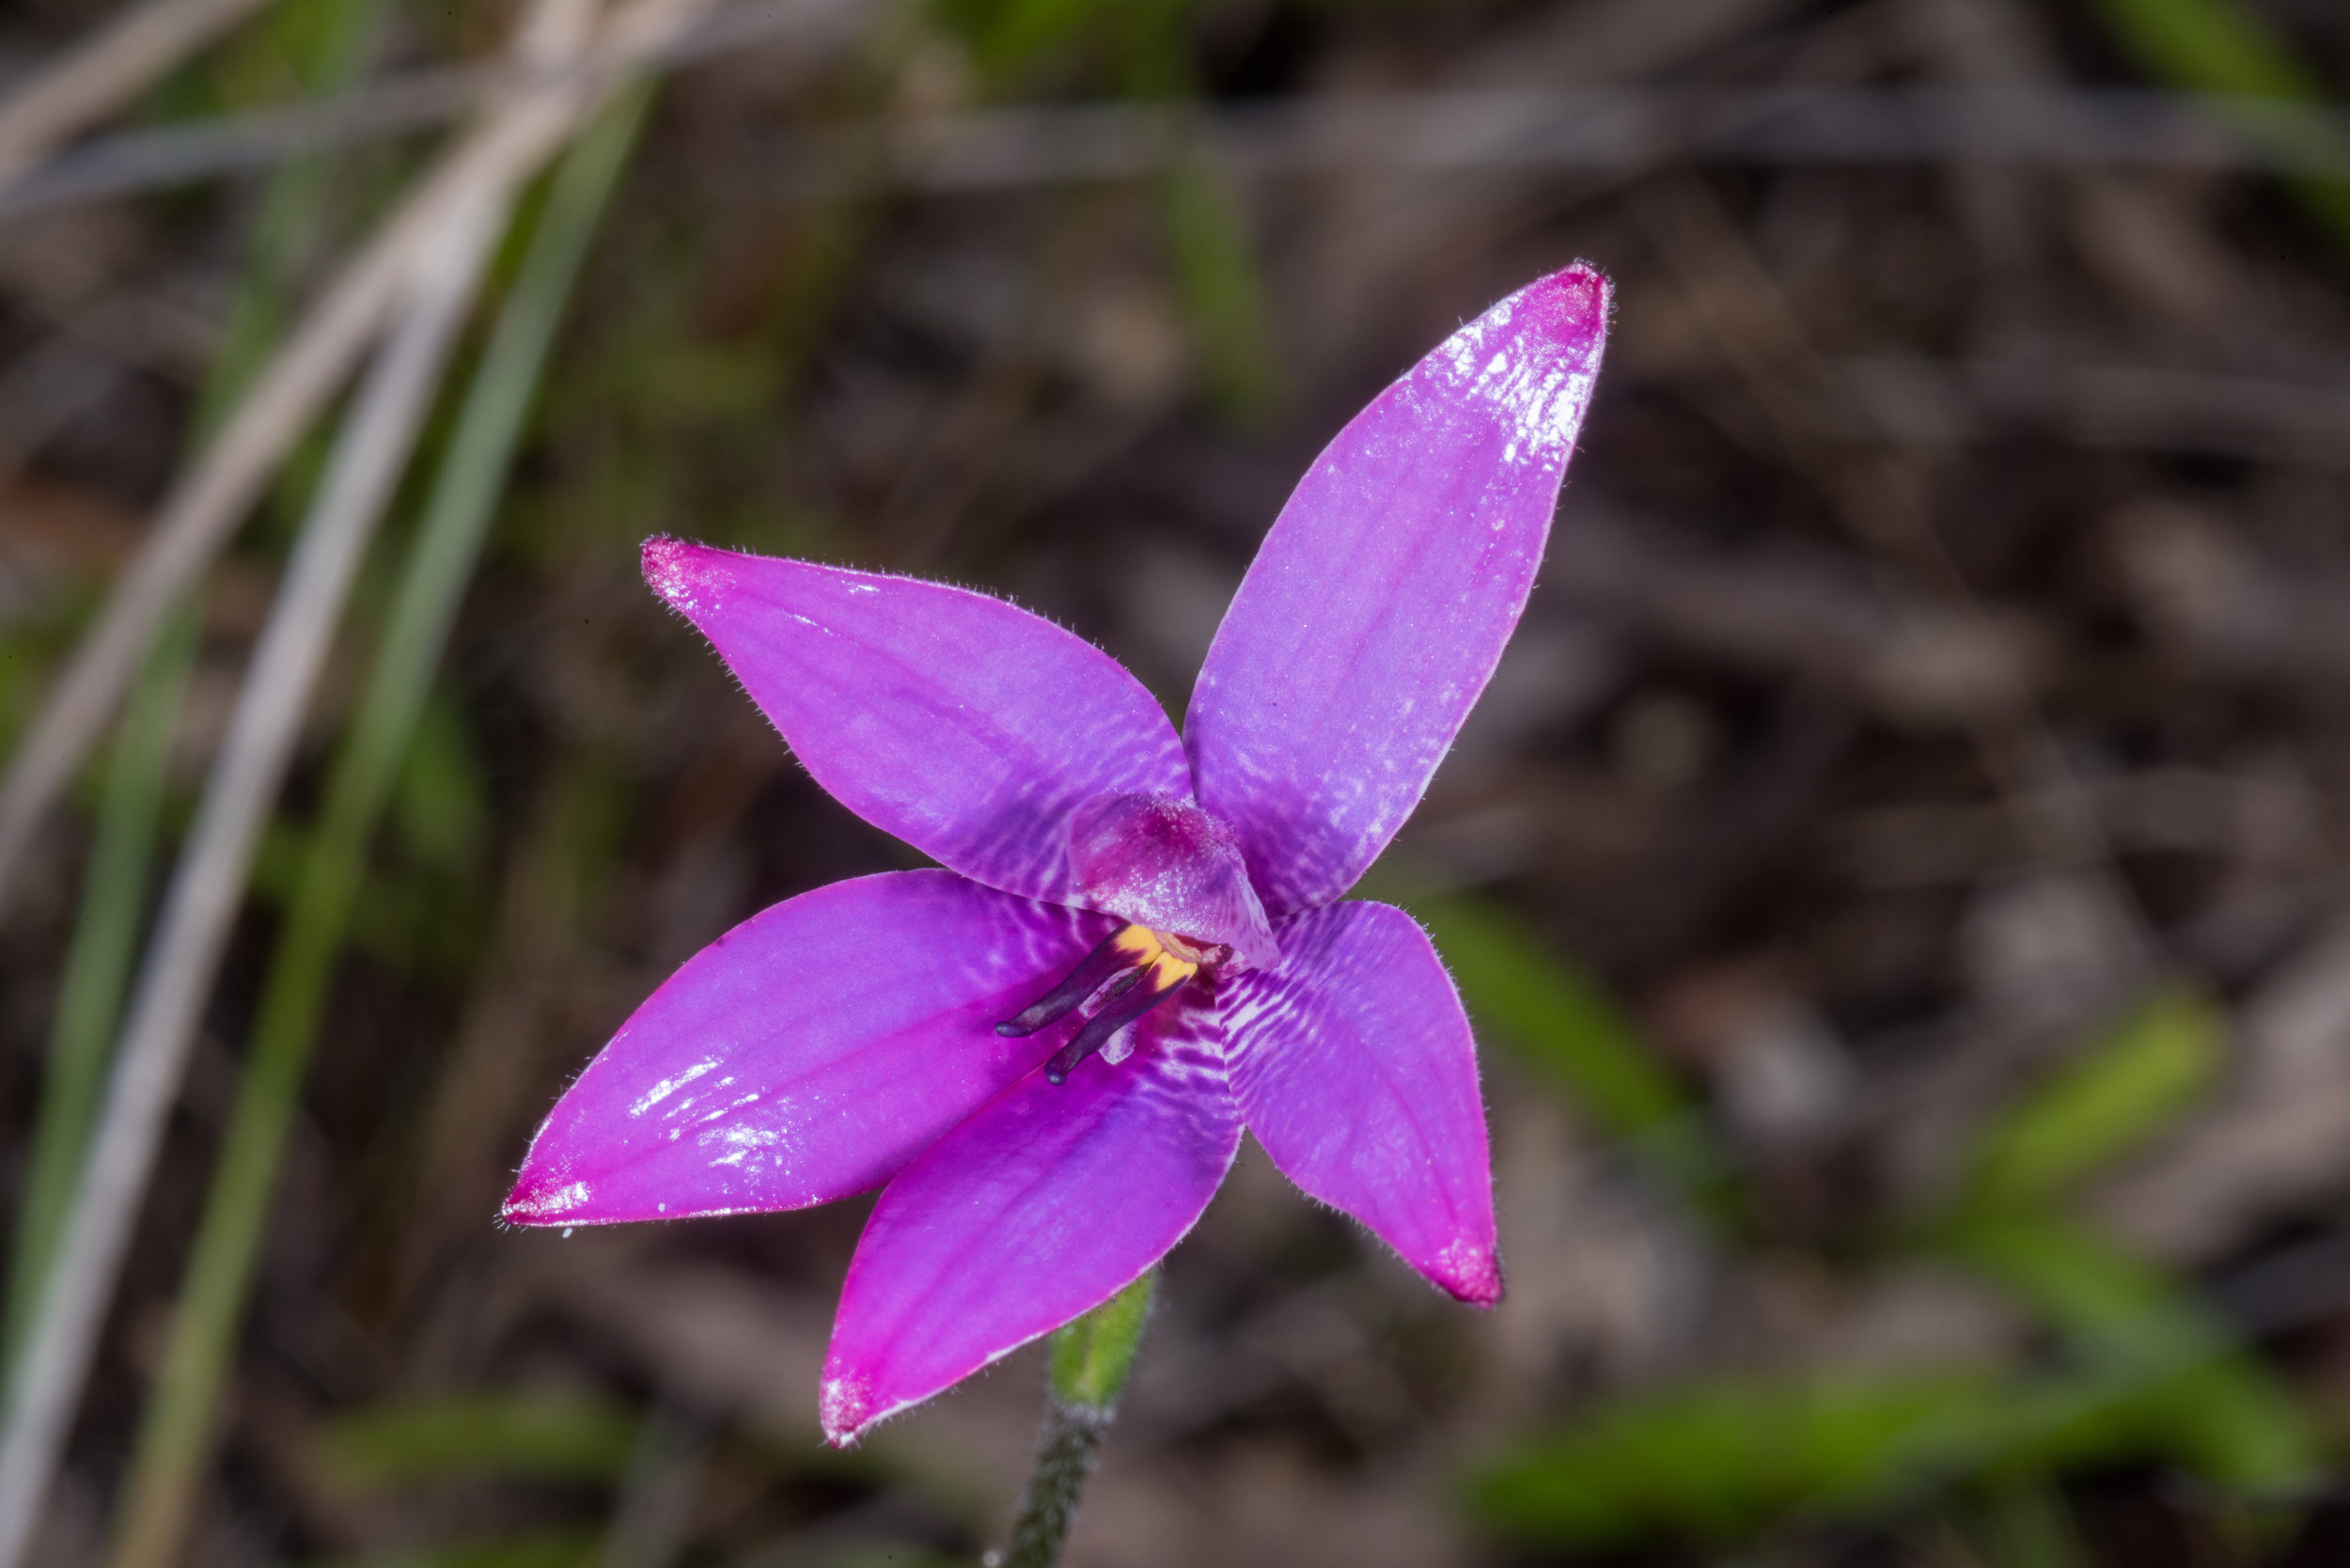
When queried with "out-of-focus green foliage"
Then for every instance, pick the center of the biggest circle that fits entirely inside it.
(541, 1437)
(695, 382)
(2227, 47)
(311, 47)
(2145, 1371)
(307, 49)
(2157, 1362)
(1723, 1461)
(2215, 45)
(1730, 1460)
(2124, 1089)
(2162, 1374)
(1144, 49)
(1217, 279)
(98, 964)
(1135, 40)
(438, 800)
(417, 918)
(2021, 1523)
(1004, 34)
(441, 804)
(2141, 1370)
(30, 646)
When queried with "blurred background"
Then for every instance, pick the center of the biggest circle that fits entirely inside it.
(1897, 870)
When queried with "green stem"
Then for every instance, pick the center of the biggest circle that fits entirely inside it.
(1091, 1358)
(176, 1435)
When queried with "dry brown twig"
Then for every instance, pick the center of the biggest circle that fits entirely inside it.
(209, 883)
(201, 513)
(106, 71)
(424, 266)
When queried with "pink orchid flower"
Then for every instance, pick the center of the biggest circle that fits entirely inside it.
(1048, 1049)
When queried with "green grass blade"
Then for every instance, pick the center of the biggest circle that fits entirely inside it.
(2220, 46)
(2154, 1357)
(2226, 48)
(2120, 1093)
(331, 42)
(1723, 1461)
(386, 1447)
(175, 1436)
(98, 962)
(334, 39)
(2159, 1370)
(1217, 279)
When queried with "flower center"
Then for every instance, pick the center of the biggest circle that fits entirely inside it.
(1168, 865)
(1133, 971)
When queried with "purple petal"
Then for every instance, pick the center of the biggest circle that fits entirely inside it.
(1042, 1206)
(962, 724)
(1353, 1066)
(807, 1054)
(1380, 603)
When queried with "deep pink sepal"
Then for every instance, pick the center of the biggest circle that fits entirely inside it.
(806, 1054)
(1374, 614)
(1355, 1067)
(964, 725)
(1044, 1205)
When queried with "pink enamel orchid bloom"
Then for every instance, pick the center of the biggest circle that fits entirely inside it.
(1046, 1051)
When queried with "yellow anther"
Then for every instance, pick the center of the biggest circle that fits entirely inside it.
(1139, 944)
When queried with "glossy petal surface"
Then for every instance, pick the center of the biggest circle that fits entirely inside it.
(1040, 1207)
(962, 724)
(1353, 1065)
(1377, 608)
(806, 1054)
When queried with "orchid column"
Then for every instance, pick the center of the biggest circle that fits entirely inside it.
(1047, 1050)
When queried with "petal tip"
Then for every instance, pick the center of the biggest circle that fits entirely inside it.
(1533, 359)
(684, 574)
(540, 1197)
(1470, 1272)
(845, 1406)
(1579, 296)
(1569, 311)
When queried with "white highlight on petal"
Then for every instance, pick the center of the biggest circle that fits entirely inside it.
(1542, 396)
(669, 1086)
(742, 1142)
(561, 1200)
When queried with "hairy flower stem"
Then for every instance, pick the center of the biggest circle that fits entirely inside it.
(1091, 1358)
